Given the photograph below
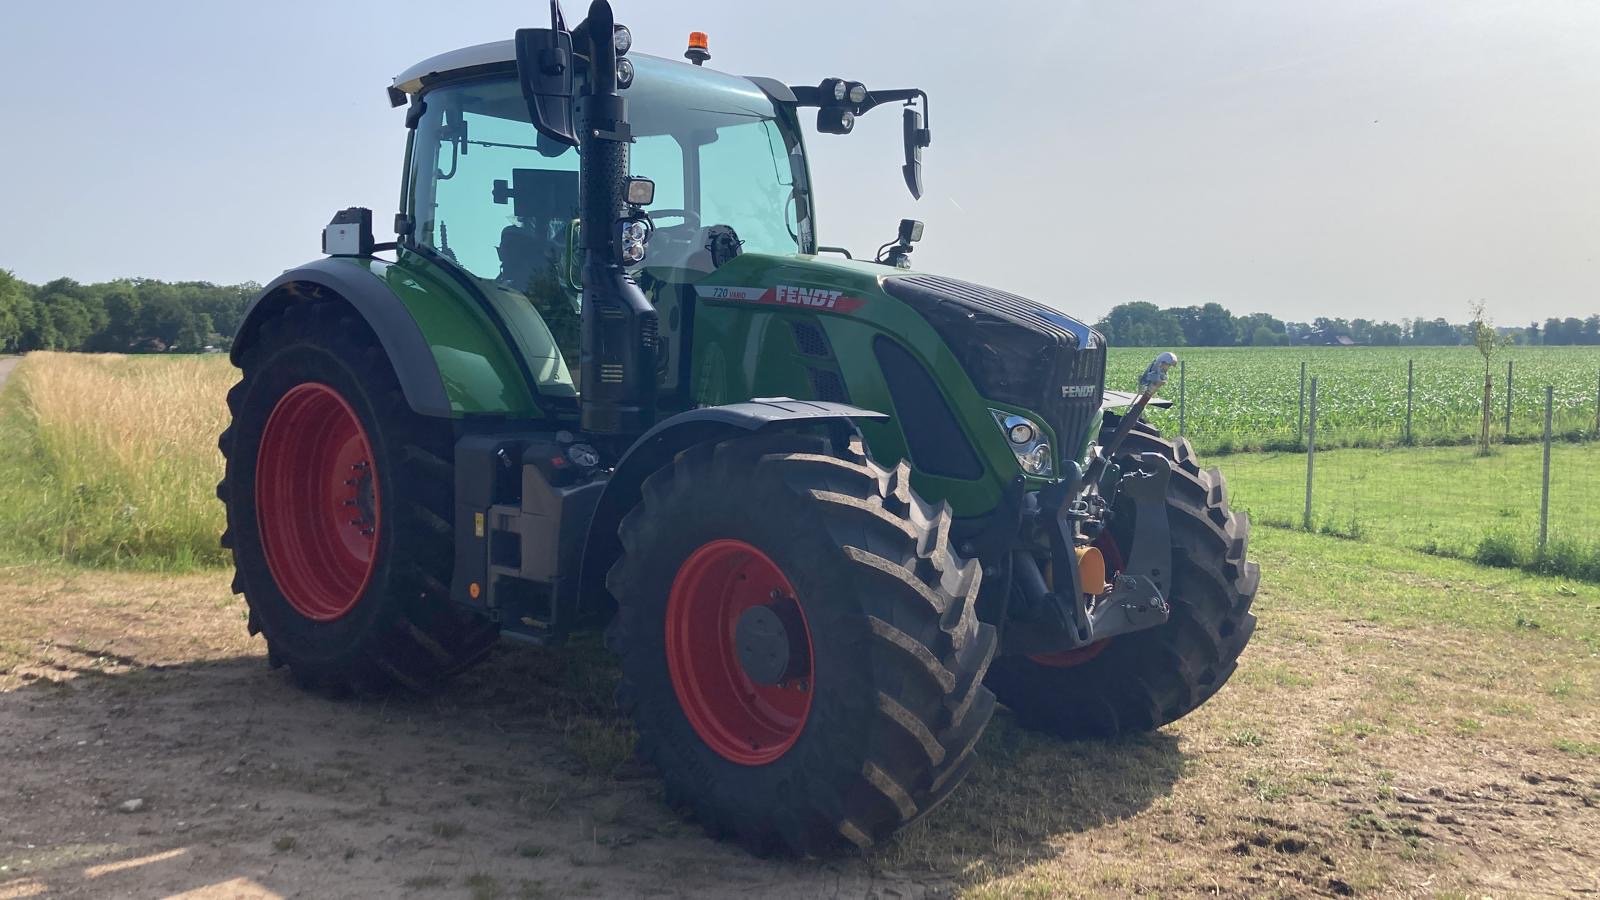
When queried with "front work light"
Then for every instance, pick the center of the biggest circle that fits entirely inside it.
(857, 93)
(835, 120)
(640, 191)
(621, 38)
(1027, 443)
(624, 72)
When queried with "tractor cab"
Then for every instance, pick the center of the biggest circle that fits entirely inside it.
(488, 193)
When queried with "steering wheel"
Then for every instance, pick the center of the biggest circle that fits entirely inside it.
(689, 217)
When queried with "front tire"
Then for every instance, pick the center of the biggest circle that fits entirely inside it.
(1144, 680)
(339, 509)
(871, 713)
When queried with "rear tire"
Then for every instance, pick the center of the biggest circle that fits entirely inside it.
(384, 617)
(1143, 680)
(897, 653)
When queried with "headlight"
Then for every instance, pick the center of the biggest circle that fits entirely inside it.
(858, 93)
(839, 91)
(621, 38)
(624, 73)
(634, 234)
(1027, 443)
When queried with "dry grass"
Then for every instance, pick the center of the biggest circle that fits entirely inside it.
(112, 460)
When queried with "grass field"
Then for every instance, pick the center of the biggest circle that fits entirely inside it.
(1246, 398)
(1445, 500)
(112, 460)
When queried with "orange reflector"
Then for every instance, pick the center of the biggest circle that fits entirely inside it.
(1091, 570)
(698, 41)
(474, 590)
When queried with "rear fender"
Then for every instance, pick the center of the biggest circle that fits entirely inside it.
(403, 342)
(661, 444)
(453, 356)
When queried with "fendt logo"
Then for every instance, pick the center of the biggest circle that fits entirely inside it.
(1077, 391)
(807, 296)
(785, 295)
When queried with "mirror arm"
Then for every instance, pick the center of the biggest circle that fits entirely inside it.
(811, 95)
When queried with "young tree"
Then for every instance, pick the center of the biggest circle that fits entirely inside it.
(1488, 341)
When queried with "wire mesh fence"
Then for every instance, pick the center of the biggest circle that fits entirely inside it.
(1525, 503)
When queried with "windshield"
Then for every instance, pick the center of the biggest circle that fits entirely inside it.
(489, 194)
(742, 156)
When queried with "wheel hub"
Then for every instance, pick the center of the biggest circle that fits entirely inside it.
(739, 652)
(317, 501)
(765, 639)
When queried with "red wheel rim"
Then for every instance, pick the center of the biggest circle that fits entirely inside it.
(317, 502)
(744, 722)
(1066, 659)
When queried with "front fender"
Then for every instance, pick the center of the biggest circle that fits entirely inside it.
(660, 444)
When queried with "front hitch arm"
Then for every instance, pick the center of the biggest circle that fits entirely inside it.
(1137, 598)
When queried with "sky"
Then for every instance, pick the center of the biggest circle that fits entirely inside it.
(1384, 160)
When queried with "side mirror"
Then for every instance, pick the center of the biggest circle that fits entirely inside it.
(916, 137)
(544, 67)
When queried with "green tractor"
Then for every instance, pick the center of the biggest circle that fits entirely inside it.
(827, 512)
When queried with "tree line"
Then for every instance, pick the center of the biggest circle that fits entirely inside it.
(129, 315)
(1142, 324)
(133, 315)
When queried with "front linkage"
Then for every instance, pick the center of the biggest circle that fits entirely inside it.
(1064, 525)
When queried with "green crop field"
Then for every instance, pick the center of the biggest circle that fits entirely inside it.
(1248, 398)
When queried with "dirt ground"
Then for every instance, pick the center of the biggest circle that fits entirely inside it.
(147, 750)
(7, 363)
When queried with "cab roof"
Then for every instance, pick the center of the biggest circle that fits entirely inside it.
(501, 54)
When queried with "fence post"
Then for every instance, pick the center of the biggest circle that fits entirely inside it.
(1311, 453)
(1300, 424)
(1544, 492)
(1411, 380)
(1181, 410)
(1508, 400)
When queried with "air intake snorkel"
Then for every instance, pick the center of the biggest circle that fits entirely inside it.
(619, 326)
(617, 359)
